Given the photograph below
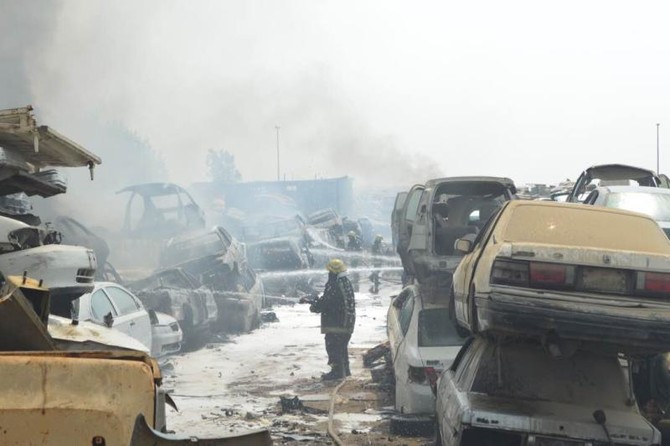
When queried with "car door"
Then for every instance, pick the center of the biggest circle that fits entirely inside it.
(132, 318)
(100, 307)
(408, 217)
(395, 216)
(465, 271)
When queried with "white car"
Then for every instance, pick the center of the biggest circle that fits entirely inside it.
(423, 343)
(113, 305)
(653, 201)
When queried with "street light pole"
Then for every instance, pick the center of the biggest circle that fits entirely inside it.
(658, 152)
(277, 128)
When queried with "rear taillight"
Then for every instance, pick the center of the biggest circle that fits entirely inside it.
(532, 274)
(551, 275)
(657, 284)
(422, 375)
(510, 272)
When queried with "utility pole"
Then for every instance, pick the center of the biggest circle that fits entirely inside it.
(278, 176)
(658, 151)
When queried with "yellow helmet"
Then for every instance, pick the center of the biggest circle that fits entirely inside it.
(336, 266)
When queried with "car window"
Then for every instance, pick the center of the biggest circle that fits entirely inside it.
(123, 301)
(413, 204)
(101, 306)
(485, 229)
(657, 206)
(435, 332)
(405, 315)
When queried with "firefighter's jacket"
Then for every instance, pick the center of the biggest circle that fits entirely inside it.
(337, 306)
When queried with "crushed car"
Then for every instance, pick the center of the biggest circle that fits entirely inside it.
(614, 174)
(218, 261)
(513, 393)
(584, 273)
(278, 255)
(175, 292)
(160, 210)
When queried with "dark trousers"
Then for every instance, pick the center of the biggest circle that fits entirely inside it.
(337, 347)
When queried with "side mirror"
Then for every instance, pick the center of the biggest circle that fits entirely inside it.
(108, 320)
(463, 245)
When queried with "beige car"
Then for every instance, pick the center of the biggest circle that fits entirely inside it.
(567, 271)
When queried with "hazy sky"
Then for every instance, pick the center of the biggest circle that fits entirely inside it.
(386, 91)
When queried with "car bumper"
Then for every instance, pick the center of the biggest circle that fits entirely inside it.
(166, 343)
(618, 322)
(420, 400)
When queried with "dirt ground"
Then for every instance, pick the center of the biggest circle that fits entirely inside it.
(236, 384)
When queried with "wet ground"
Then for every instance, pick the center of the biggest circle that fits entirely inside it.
(235, 384)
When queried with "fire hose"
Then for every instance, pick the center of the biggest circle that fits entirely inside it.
(331, 431)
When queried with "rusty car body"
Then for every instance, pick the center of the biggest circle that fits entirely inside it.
(60, 391)
(491, 396)
(578, 272)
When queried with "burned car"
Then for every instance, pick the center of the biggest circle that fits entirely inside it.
(34, 251)
(159, 210)
(614, 175)
(434, 215)
(514, 393)
(282, 254)
(175, 292)
(217, 261)
(586, 273)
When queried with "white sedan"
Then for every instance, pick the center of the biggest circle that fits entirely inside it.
(113, 305)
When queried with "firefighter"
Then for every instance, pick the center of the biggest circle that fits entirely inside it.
(338, 315)
(377, 250)
(354, 244)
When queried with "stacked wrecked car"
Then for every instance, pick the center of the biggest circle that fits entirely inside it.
(562, 301)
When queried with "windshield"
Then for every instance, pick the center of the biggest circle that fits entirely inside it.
(657, 206)
(435, 329)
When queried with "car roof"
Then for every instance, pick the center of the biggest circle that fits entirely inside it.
(503, 180)
(614, 171)
(556, 204)
(638, 189)
(154, 189)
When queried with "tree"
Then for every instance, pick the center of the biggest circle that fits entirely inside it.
(221, 166)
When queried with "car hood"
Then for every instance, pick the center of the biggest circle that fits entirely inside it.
(61, 328)
(164, 319)
(550, 418)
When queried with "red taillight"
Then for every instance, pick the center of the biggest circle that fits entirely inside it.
(653, 282)
(532, 274)
(423, 375)
(431, 374)
(551, 274)
(510, 272)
